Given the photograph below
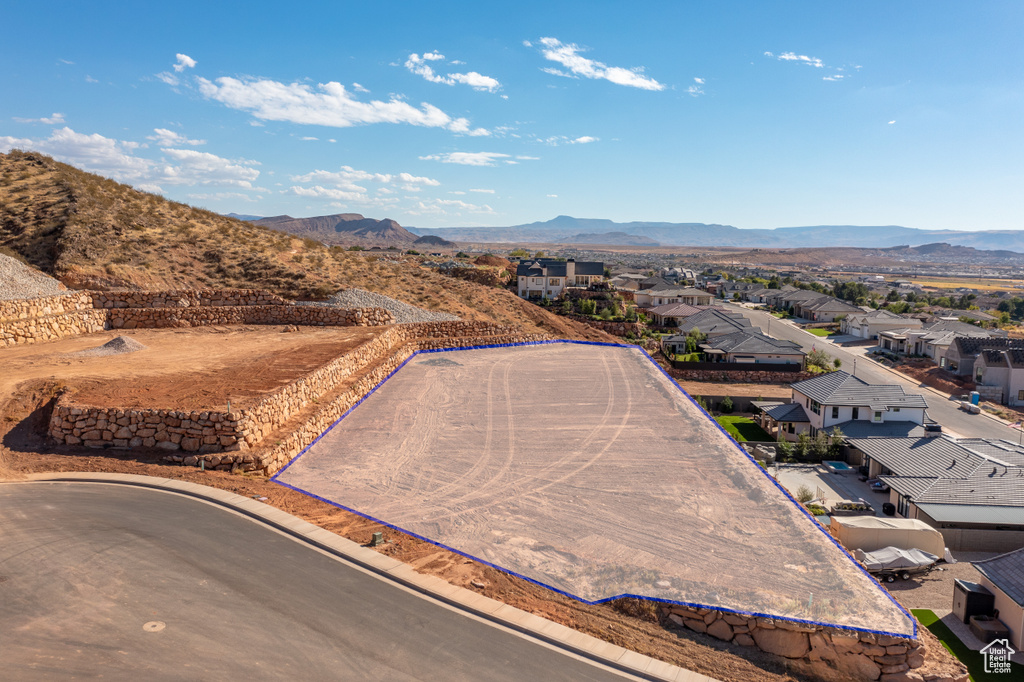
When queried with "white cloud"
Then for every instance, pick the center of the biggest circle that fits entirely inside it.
(695, 91)
(409, 178)
(558, 72)
(330, 104)
(48, 120)
(457, 192)
(448, 207)
(467, 158)
(568, 56)
(359, 88)
(202, 168)
(483, 191)
(169, 138)
(891, 122)
(94, 153)
(528, 158)
(698, 81)
(309, 138)
(326, 193)
(169, 78)
(552, 196)
(221, 196)
(184, 62)
(90, 79)
(801, 58)
(834, 77)
(586, 139)
(418, 65)
(556, 140)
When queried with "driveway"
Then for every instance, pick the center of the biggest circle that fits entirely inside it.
(130, 584)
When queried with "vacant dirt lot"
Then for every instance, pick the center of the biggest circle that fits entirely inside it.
(583, 468)
(187, 369)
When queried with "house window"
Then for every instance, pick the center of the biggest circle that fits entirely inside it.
(878, 416)
(835, 412)
(856, 412)
(555, 282)
(977, 379)
(815, 407)
(1020, 395)
(895, 409)
(903, 506)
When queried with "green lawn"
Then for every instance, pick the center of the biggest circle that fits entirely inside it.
(818, 332)
(743, 428)
(974, 661)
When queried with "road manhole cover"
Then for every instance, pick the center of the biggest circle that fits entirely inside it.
(154, 626)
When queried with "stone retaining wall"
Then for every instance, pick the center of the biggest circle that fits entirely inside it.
(20, 309)
(739, 376)
(185, 298)
(52, 327)
(144, 318)
(829, 652)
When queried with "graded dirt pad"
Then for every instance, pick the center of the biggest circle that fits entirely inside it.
(183, 369)
(585, 469)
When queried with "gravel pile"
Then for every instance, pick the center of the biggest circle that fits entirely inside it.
(403, 312)
(116, 346)
(18, 280)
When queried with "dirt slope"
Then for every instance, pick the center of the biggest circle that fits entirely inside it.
(93, 233)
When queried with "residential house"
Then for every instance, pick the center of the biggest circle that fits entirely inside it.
(671, 314)
(839, 399)
(824, 309)
(547, 278)
(973, 315)
(714, 322)
(1003, 576)
(678, 275)
(730, 290)
(663, 294)
(971, 490)
(964, 352)
(999, 375)
(867, 325)
(931, 340)
(751, 346)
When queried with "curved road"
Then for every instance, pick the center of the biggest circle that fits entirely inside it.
(129, 583)
(941, 409)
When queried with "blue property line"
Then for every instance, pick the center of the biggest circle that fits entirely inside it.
(275, 479)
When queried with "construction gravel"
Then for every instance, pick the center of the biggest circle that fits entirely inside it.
(116, 346)
(403, 312)
(18, 280)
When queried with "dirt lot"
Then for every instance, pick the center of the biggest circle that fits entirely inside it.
(32, 374)
(187, 369)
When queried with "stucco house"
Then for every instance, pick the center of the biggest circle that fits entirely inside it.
(672, 314)
(931, 340)
(543, 277)
(999, 375)
(961, 355)
(867, 325)
(1004, 577)
(751, 346)
(663, 294)
(823, 309)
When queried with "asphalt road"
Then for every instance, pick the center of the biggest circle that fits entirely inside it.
(940, 409)
(131, 584)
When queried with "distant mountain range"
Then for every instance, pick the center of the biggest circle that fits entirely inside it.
(343, 229)
(566, 229)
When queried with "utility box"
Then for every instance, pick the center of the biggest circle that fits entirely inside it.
(971, 599)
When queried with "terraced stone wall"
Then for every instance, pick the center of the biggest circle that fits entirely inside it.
(184, 298)
(203, 316)
(52, 327)
(22, 308)
(235, 435)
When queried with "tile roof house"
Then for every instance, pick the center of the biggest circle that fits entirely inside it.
(714, 322)
(547, 278)
(839, 399)
(671, 314)
(971, 490)
(931, 340)
(823, 309)
(665, 293)
(751, 346)
(867, 325)
(1004, 577)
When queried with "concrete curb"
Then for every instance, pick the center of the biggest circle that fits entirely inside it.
(549, 632)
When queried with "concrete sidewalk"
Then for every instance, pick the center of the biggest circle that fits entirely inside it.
(572, 642)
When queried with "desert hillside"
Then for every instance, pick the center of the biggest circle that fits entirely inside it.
(93, 233)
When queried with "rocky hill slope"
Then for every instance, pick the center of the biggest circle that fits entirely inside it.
(93, 233)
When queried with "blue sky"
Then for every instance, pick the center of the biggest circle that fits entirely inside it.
(449, 114)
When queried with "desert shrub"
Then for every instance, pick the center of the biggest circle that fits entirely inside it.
(804, 494)
(726, 405)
